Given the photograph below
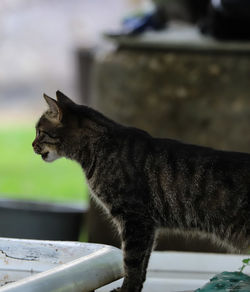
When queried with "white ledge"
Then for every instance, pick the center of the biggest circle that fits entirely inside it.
(98, 265)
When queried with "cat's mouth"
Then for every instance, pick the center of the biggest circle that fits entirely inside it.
(45, 155)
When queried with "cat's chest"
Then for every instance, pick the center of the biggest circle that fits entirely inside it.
(101, 195)
(100, 201)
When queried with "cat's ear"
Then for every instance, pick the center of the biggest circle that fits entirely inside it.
(62, 98)
(55, 112)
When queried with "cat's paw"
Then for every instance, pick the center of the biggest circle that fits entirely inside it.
(116, 290)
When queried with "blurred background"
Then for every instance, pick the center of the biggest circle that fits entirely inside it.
(39, 40)
(176, 68)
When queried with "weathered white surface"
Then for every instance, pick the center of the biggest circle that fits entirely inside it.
(182, 271)
(73, 266)
(68, 266)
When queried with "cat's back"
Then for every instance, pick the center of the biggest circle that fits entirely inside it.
(179, 151)
(163, 151)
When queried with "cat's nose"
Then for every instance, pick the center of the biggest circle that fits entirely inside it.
(34, 143)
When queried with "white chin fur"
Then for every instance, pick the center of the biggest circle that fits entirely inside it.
(51, 156)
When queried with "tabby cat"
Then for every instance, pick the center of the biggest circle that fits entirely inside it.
(145, 183)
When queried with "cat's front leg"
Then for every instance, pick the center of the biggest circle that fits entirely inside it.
(137, 243)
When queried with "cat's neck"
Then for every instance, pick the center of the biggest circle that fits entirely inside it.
(93, 133)
(98, 120)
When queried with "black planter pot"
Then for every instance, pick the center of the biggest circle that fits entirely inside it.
(36, 220)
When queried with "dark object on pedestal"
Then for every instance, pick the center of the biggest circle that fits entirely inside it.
(228, 20)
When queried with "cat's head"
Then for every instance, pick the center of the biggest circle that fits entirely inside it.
(54, 128)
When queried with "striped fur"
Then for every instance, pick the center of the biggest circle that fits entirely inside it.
(146, 184)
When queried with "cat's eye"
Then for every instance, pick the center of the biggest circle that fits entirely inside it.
(42, 132)
(50, 135)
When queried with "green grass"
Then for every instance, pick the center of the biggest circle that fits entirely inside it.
(24, 175)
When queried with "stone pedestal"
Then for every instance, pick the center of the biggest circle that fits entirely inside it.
(197, 96)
